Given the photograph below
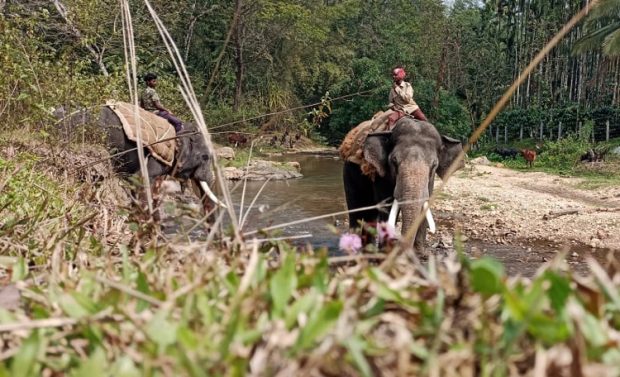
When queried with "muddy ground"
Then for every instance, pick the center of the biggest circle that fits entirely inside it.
(509, 214)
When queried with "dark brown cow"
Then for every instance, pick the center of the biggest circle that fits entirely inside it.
(237, 139)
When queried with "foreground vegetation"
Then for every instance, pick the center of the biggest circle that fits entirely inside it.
(83, 294)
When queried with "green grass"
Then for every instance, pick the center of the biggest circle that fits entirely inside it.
(240, 160)
(562, 158)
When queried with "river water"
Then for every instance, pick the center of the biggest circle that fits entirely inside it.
(318, 193)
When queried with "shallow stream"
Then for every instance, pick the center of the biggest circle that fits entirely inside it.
(320, 192)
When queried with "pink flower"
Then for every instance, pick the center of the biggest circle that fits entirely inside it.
(385, 232)
(351, 243)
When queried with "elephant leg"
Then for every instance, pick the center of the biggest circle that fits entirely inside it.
(156, 194)
(359, 193)
(383, 191)
(419, 243)
(156, 172)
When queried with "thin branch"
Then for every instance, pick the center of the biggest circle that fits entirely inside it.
(130, 291)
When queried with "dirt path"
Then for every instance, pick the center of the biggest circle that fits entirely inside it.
(504, 206)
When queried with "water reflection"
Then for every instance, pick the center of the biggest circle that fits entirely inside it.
(319, 192)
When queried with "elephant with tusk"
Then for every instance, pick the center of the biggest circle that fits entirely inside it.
(192, 159)
(403, 163)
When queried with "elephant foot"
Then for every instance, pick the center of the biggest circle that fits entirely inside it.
(421, 251)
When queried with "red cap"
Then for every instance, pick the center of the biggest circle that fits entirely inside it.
(399, 73)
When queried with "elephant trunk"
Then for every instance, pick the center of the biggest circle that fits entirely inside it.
(412, 193)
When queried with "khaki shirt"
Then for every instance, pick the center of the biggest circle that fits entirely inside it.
(148, 98)
(401, 98)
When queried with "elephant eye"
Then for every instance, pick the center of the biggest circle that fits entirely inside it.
(393, 160)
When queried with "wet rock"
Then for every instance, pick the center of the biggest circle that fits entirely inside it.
(294, 164)
(482, 160)
(261, 170)
(233, 173)
(226, 153)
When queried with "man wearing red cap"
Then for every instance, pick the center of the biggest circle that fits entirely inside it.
(401, 99)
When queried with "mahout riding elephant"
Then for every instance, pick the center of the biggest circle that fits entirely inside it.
(192, 161)
(404, 161)
(192, 158)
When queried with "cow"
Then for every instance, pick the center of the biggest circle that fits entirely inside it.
(506, 152)
(529, 155)
(237, 139)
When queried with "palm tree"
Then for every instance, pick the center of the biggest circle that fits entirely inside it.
(602, 29)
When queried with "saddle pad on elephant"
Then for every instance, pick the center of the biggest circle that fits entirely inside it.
(153, 128)
(351, 147)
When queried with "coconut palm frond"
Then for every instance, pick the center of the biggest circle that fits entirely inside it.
(604, 9)
(595, 39)
(611, 45)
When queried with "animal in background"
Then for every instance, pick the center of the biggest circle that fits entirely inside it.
(594, 155)
(273, 141)
(237, 139)
(506, 152)
(529, 156)
(285, 140)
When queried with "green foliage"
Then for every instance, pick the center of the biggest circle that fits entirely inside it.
(263, 318)
(563, 154)
(37, 211)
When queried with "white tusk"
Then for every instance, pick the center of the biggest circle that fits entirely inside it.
(393, 214)
(211, 195)
(429, 218)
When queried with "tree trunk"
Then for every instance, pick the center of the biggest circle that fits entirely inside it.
(607, 131)
(239, 64)
(95, 52)
(542, 130)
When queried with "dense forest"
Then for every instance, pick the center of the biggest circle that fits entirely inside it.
(248, 58)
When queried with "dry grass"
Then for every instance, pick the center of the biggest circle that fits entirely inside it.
(82, 293)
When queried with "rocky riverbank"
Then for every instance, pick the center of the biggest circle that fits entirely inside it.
(260, 170)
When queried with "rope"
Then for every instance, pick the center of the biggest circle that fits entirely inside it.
(358, 93)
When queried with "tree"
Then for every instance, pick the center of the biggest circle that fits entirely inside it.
(602, 29)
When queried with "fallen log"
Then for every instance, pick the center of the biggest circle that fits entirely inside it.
(554, 214)
(576, 211)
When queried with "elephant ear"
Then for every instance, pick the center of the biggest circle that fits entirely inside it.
(450, 150)
(183, 154)
(376, 151)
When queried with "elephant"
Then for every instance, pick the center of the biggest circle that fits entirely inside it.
(192, 160)
(405, 161)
